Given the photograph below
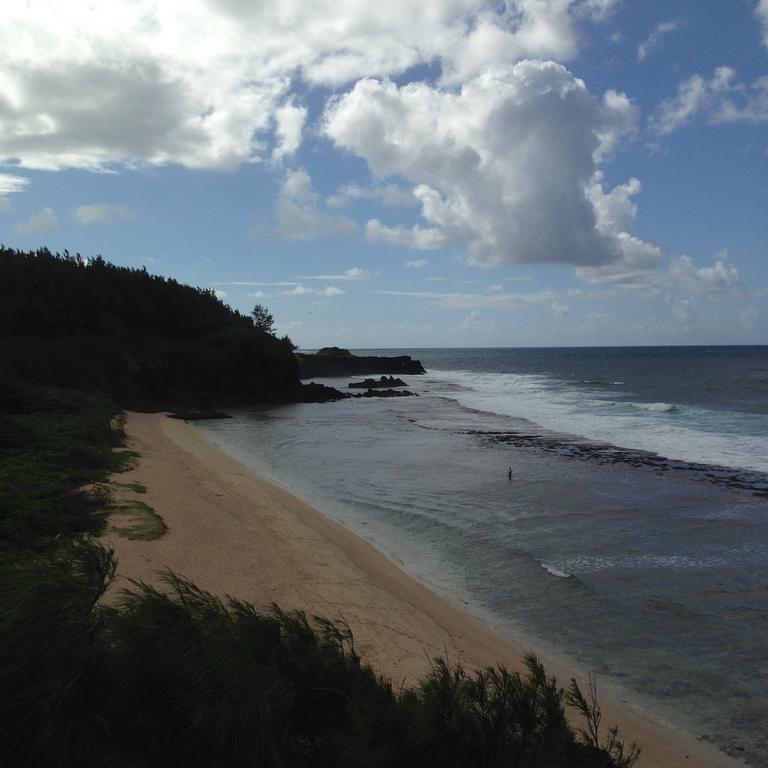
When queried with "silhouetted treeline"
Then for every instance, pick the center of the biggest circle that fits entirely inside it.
(87, 324)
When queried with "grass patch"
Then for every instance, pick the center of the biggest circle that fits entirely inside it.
(138, 521)
(133, 486)
(57, 449)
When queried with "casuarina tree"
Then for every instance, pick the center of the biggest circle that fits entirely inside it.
(263, 319)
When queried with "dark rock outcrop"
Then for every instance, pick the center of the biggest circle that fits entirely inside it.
(195, 414)
(385, 393)
(316, 393)
(320, 365)
(382, 383)
(753, 481)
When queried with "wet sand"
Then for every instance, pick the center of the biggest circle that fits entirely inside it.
(232, 532)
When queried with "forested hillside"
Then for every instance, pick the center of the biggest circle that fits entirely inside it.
(142, 339)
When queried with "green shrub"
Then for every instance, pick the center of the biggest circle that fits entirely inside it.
(53, 703)
(178, 677)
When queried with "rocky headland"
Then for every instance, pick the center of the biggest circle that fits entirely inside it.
(334, 361)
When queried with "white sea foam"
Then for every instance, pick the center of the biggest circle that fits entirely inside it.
(666, 562)
(555, 571)
(678, 432)
(658, 407)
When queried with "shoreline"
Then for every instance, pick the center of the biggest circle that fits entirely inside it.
(233, 532)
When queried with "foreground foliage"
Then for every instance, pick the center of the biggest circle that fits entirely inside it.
(179, 677)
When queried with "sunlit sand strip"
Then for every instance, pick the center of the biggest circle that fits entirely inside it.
(234, 533)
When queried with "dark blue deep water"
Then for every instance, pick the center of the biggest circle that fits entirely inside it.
(632, 540)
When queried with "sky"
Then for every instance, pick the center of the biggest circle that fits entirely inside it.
(442, 173)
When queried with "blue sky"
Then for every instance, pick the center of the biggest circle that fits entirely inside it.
(443, 173)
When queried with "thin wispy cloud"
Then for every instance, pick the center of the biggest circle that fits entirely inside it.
(10, 183)
(42, 222)
(660, 31)
(103, 213)
(293, 287)
(761, 11)
(255, 283)
(476, 300)
(477, 322)
(300, 215)
(722, 98)
(351, 274)
(390, 195)
(302, 290)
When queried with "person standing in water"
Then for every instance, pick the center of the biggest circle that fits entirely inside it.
(509, 473)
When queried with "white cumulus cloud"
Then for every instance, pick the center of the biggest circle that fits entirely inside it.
(615, 211)
(208, 83)
(502, 165)
(721, 278)
(289, 121)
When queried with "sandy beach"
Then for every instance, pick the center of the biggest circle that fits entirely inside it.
(232, 532)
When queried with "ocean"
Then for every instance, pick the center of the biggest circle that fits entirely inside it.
(632, 539)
